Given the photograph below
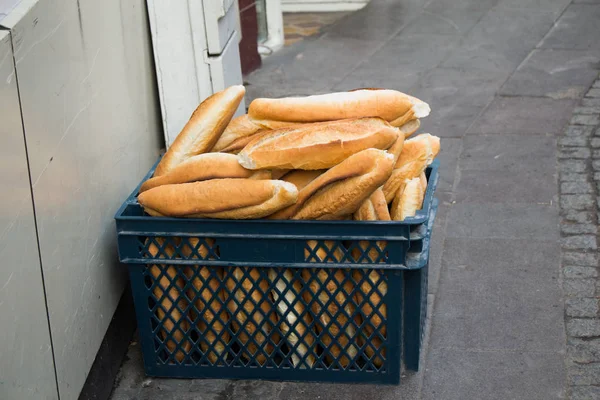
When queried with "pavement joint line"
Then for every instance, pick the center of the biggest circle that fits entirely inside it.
(377, 48)
(537, 46)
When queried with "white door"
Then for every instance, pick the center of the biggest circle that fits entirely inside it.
(196, 54)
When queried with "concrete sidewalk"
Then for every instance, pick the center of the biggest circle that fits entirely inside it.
(503, 78)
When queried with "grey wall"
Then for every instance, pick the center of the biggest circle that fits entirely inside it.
(25, 339)
(92, 124)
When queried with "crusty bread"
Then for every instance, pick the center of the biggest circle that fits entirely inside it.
(295, 329)
(317, 146)
(416, 155)
(397, 147)
(301, 178)
(279, 173)
(324, 285)
(238, 144)
(239, 127)
(372, 309)
(423, 145)
(341, 190)
(245, 306)
(243, 126)
(220, 198)
(212, 312)
(410, 127)
(419, 109)
(408, 200)
(204, 128)
(172, 318)
(201, 168)
(387, 104)
(375, 208)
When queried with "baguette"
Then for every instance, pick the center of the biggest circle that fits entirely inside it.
(419, 109)
(317, 146)
(200, 168)
(301, 178)
(220, 198)
(212, 312)
(279, 173)
(421, 145)
(410, 127)
(408, 200)
(295, 328)
(171, 317)
(243, 126)
(341, 190)
(397, 147)
(323, 284)
(252, 295)
(238, 128)
(387, 104)
(374, 209)
(238, 145)
(203, 129)
(416, 155)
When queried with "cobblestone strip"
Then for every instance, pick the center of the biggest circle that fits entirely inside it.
(579, 174)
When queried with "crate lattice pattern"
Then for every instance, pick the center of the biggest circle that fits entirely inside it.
(307, 318)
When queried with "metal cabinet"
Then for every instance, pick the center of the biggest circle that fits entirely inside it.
(26, 368)
(90, 110)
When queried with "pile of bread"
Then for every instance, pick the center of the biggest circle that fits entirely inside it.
(322, 157)
(325, 157)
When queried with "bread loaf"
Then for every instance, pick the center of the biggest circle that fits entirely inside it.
(204, 128)
(200, 168)
(248, 306)
(375, 208)
(397, 147)
(410, 127)
(238, 145)
(238, 128)
(279, 173)
(170, 316)
(220, 198)
(323, 284)
(387, 104)
(244, 126)
(211, 310)
(423, 145)
(317, 146)
(375, 308)
(301, 178)
(408, 200)
(417, 154)
(341, 190)
(295, 322)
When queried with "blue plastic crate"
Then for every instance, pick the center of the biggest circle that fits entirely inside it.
(262, 299)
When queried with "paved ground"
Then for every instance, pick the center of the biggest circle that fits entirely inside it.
(503, 78)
